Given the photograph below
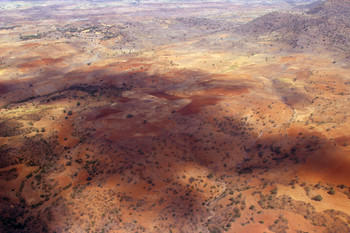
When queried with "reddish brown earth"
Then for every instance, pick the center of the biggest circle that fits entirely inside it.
(144, 118)
(165, 96)
(197, 102)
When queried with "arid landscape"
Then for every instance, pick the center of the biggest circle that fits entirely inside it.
(175, 116)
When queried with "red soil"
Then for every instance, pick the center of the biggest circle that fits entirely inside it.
(305, 74)
(227, 91)
(40, 63)
(65, 134)
(102, 113)
(197, 103)
(343, 141)
(165, 95)
(128, 128)
(124, 99)
(329, 165)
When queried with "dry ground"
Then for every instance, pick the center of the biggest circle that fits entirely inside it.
(103, 130)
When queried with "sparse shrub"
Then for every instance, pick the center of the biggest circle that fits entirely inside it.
(29, 175)
(331, 191)
(37, 204)
(317, 198)
(274, 191)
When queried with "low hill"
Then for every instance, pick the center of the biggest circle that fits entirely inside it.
(324, 25)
